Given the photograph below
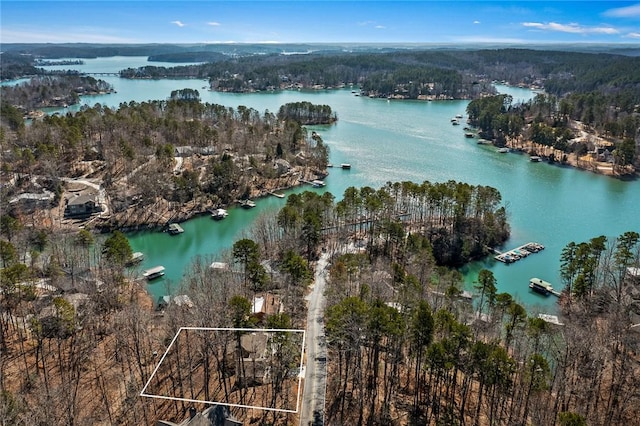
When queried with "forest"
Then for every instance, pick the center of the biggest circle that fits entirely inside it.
(391, 71)
(548, 121)
(229, 155)
(46, 91)
(405, 345)
(80, 337)
(461, 73)
(410, 351)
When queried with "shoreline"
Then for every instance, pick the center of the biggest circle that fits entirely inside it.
(586, 163)
(161, 213)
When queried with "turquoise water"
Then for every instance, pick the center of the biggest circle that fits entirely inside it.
(404, 140)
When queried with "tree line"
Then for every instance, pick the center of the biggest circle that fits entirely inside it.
(408, 350)
(47, 91)
(307, 113)
(239, 147)
(549, 121)
(405, 345)
(457, 73)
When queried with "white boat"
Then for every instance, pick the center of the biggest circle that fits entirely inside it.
(541, 286)
(247, 204)
(318, 183)
(153, 273)
(458, 115)
(175, 229)
(136, 257)
(503, 150)
(219, 214)
(345, 166)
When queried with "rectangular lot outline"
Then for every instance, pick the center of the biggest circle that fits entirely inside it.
(248, 330)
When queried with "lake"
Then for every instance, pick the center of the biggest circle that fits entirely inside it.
(390, 140)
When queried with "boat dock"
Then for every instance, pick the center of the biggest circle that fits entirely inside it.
(153, 273)
(315, 183)
(543, 287)
(175, 229)
(518, 253)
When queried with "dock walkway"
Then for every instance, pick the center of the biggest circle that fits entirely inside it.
(518, 253)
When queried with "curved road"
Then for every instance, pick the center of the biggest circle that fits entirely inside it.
(315, 378)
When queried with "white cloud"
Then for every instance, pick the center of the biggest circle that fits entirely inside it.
(572, 28)
(633, 35)
(178, 23)
(476, 22)
(214, 24)
(380, 27)
(624, 12)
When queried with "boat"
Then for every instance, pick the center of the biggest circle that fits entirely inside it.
(219, 214)
(455, 123)
(136, 257)
(317, 183)
(247, 204)
(541, 286)
(175, 229)
(469, 135)
(153, 273)
(535, 159)
(484, 142)
(503, 150)
(345, 166)
(458, 115)
(454, 119)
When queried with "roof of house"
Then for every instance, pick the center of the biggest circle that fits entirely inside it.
(633, 271)
(82, 199)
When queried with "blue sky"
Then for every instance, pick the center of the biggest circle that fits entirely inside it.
(211, 21)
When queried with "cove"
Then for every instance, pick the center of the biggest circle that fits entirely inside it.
(397, 141)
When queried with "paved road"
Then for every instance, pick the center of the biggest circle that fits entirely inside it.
(315, 379)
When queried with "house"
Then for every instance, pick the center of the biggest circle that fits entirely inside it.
(183, 151)
(264, 305)
(253, 348)
(219, 265)
(188, 151)
(82, 205)
(216, 415)
(181, 300)
(282, 166)
(633, 274)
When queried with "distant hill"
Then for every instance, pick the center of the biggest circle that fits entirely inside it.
(180, 57)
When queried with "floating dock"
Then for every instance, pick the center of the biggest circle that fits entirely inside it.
(247, 204)
(175, 229)
(518, 253)
(317, 183)
(153, 273)
(542, 287)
